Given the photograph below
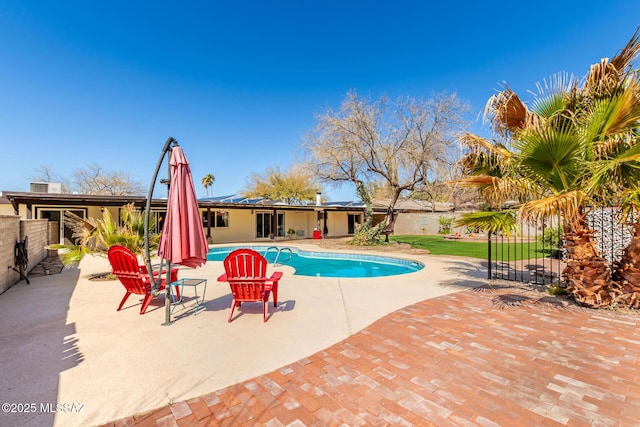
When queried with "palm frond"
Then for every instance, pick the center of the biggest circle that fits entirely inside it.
(552, 156)
(476, 144)
(70, 254)
(614, 174)
(601, 80)
(494, 222)
(553, 95)
(614, 115)
(506, 112)
(567, 205)
(627, 54)
(630, 205)
(606, 78)
(80, 227)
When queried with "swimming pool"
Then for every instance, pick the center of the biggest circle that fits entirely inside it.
(326, 264)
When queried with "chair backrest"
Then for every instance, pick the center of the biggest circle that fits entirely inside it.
(245, 263)
(247, 273)
(125, 266)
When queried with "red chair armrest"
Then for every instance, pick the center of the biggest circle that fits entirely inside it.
(223, 278)
(174, 272)
(277, 275)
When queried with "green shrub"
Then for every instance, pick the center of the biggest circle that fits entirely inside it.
(552, 237)
(556, 289)
(445, 224)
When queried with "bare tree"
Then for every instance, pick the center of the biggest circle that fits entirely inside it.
(400, 146)
(45, 173)
(296, 185)
(96, 180)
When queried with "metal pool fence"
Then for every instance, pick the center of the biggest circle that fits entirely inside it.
(535, 254)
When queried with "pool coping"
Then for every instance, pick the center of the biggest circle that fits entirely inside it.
(335, 254)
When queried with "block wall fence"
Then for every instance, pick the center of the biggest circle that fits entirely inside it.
(12, 230)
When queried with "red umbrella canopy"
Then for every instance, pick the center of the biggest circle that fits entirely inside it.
(183, 241)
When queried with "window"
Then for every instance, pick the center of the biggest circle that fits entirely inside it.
(156, 220)
(65, 228)
(281, 225)
(353, 220)
(264, 224)
(219, 219)
(222, 219)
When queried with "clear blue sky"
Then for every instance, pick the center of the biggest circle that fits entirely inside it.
(238, 83)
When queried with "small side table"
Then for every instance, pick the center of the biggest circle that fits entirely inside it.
(194, 284)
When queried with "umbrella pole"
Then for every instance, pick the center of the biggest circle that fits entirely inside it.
(155, 284)
(147, 213)
(167, 297)
(167, 290)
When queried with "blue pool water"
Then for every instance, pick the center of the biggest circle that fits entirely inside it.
(327, 264)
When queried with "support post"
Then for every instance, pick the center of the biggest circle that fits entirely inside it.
(489, 255)
(147, 253)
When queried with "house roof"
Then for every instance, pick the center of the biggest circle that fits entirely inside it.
(17, 198)
(411, 205)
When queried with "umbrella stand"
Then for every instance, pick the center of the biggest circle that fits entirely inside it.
(155, 283)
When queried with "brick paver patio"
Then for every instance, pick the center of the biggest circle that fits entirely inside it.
(466, 359)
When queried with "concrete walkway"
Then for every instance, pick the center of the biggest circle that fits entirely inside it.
(69, 359)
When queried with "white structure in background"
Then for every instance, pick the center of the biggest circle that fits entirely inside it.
(46, 187)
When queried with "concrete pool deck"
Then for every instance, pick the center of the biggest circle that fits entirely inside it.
(419, 349)
(64, 343)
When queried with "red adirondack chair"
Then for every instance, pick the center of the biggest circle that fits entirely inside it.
(246, 272)
(135, 277)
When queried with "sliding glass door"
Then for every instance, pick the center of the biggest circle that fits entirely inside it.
(264, 225)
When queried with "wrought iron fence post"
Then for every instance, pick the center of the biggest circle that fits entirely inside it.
(489, 255)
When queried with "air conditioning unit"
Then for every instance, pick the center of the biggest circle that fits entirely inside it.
(45, 187)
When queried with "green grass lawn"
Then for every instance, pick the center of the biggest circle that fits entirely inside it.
(438, 245)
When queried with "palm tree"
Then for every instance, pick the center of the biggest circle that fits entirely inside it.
(96, 236)
(574, 149)
(207, 181)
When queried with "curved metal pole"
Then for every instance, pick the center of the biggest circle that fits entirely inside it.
(147, 212)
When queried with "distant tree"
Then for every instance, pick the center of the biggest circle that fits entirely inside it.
(96, 180)
(207, 181)
(296, 185)
(400, 146)
(45, 173)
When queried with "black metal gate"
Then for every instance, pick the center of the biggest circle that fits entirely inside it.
(535, 254)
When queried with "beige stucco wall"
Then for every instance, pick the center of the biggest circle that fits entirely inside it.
(423, 222)
(9, 235)
(12, 230)
(37, 231)
(338, 223)
(241, 228)
(305, 221)
(242, 225)
(6, 209)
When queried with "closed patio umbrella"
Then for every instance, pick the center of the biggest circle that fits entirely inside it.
(182, 241)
